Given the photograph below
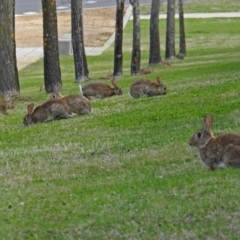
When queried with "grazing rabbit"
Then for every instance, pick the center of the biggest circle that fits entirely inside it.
(147, 88)
(42, 87)
(77, 104)
(4, 105)
(146, 70)
(52, 109)
(101, 90)
(109, 76)
(220, 152)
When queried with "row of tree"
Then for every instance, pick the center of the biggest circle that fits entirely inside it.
(9, 83)
(154, 51)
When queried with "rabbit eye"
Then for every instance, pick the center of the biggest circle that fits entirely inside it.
(199, 135)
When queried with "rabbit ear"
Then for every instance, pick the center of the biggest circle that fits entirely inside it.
(80, 89)
(208, 120)
(158, 80)
(57, 88)
(114, 83)
(7, 96)
(30, 108)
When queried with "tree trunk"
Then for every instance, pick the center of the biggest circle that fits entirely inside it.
(170, 30)
(80, 60)
(118, 55)
(155, 54)
(136, 51)
(182, 43)
(52, 72)
(9, 83)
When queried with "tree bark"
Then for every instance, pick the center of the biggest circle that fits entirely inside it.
(182, 42)
(9, 82)
(52, 72)
(136, 51)
(118, 55)
(80, 60)
(170, 30)
(155, 53)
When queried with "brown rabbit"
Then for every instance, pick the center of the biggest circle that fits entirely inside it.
(4, 105)
(42, 87)
(146, 70)
(147, 88)
(220, 152)
(109, 76)
(101, 90)
(52, 109)
(77, 104)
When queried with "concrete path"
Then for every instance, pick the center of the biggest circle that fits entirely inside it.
(30, 55)
(198, 15)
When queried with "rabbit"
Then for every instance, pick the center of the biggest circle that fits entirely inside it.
(147, 88)
(77, 103)
(220, 152)
(146, 70)
(42, 87)
(109, 76)
(52, 109)
(101, 90)
(6, 104)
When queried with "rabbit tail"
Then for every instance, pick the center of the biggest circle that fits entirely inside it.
(130, 95)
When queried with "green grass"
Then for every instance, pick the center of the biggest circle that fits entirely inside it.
(203, 6)
(125, 171)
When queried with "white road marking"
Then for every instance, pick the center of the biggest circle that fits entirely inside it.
(90, 2)
(30, 13)
(61, 7)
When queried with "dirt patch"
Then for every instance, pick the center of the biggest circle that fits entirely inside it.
(99, 24)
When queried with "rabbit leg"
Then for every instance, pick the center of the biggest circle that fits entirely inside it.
(4, 110)
(80, 107)
(85, 109)
(59, 111)
(232, 156)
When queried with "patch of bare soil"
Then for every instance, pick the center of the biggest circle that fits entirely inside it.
(99, 24)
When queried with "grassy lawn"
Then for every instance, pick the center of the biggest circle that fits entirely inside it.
(203, 6)
(125, 171)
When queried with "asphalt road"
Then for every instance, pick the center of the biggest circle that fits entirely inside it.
(35, 6)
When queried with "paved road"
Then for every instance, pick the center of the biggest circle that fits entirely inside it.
(35, 6)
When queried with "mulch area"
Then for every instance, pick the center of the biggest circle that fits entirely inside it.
(99, 24)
